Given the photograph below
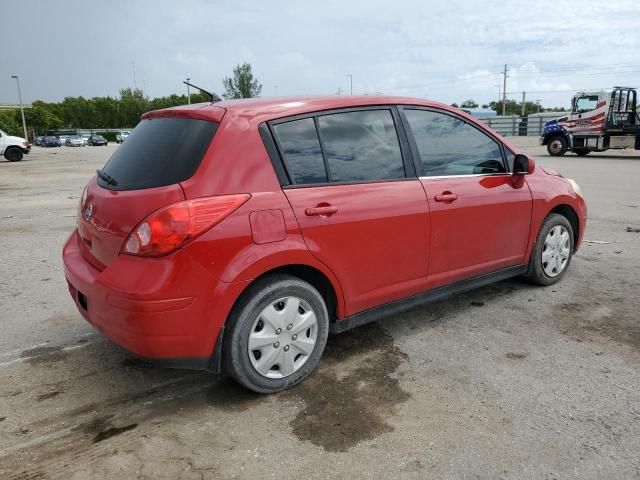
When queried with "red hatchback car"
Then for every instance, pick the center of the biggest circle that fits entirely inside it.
(238, 234)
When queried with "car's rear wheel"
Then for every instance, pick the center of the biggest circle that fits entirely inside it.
(552, 252)
(557, 146)
(276, 334)
(13, 154)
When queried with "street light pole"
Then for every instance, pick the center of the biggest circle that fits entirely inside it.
(24, 124)
(188, 92)
(350, 84)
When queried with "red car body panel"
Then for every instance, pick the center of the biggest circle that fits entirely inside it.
(380, 231)
(387, 240)
(485, 229)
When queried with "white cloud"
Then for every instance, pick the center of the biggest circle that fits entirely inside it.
(446, 51)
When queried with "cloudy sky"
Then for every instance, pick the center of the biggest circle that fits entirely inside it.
(447, 51)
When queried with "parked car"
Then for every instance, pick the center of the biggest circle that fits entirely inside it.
(85, 138)
(97, 140)
(13, 148)
(304, 217)
(51, 141)
(63, 139)
(122, 136)
(38, 141)
(75, 141)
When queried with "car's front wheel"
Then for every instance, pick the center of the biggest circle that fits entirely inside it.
(276, 334)
(552, 252)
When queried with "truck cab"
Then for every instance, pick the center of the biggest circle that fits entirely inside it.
(13, 148)
(598, 121)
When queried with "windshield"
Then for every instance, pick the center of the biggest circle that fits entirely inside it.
(161, 151)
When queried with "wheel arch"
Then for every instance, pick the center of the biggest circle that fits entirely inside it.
(311, 275)
(331, 294)
(570, 214)
(557, 133)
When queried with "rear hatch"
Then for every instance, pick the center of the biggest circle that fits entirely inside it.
(144, 174)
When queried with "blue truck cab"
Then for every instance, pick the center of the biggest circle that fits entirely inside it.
(555, 136)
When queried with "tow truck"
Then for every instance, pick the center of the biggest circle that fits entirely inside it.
(598, 121)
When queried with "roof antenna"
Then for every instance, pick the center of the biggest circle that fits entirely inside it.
(201, 89)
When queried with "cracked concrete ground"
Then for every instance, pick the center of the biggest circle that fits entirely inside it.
(508, 381)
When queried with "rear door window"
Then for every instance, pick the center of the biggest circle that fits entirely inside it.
(301, 150)
(361, 146)
(159, 152)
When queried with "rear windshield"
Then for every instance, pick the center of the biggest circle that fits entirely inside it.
(159, 152)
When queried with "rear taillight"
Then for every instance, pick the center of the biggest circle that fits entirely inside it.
(172, 227)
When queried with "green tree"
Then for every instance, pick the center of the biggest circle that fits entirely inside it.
(242, 85)
(133, 103)
(9, 122)
(41, 118)
(77, 112)
(515, 108)
(469, 104)
(95, 113)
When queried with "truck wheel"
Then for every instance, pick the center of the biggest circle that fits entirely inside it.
(557, 146)
(581, 152)
(13, 154)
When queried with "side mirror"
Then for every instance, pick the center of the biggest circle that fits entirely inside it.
(522, 165)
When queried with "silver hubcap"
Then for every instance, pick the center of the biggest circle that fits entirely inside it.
(282, 337)
(556, 250)
(556, 146)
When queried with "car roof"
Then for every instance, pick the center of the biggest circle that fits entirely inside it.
(258, 110)
(261, 109)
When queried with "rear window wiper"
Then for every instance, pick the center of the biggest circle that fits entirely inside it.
(107, 178)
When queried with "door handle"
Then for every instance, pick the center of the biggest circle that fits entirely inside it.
(447, 197)
(320, 211)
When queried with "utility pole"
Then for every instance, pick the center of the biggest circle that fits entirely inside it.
(524, 94)
(350, 84)
(133, 68)
(538, 104)
(188, 92)
(339, 91)
(24, 124)
(276, 88)
(504, 89)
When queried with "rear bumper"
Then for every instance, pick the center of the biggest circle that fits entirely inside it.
(168, 310)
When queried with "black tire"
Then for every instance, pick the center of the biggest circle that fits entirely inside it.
(557, 146)
(536, 272)
(581, 152)
(13, 154)
(239, 325)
